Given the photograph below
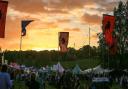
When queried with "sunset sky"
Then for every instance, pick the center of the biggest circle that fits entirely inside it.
(51, 17)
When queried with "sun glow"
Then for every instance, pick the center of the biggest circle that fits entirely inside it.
(41, 49)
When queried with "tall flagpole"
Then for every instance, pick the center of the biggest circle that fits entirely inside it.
(20, 47)
(89, 48)
(58, 40)
(74, 45)
(3, 61)
(89, 43)
(21, 41)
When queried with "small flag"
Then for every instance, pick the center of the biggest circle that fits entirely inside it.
(3, 11)
(63, 41)
(24, 23)
(108, 28)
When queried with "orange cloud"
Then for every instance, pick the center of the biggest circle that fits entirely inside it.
(91, 19)
(51, 17)
(74, 30)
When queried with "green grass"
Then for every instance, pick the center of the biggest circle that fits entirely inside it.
(115, 86)
(83, 63)
(19, 85)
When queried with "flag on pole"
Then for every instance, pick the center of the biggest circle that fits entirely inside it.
(3, 11)
(24, 23)
(63, 41)
(108, 28)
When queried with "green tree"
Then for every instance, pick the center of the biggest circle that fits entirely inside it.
(121, 35)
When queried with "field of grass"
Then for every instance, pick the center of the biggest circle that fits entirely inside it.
(21, 85)
(115, 86)
(83, 63)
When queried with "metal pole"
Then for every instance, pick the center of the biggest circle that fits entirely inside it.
(20, 47)
(3, 61)
(108, 58)
(58, 41)
(90, 51)
(21, 42)
(89, 43)
(74, 45)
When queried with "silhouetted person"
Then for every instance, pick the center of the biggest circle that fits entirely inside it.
(33, 84)
(5, 82)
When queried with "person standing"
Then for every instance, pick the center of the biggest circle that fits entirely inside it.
(32, 83)
(5, 82)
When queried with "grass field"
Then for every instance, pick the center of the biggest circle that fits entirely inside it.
(83, 63)
(21, 85)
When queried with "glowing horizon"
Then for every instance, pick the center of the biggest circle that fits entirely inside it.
(51, 17)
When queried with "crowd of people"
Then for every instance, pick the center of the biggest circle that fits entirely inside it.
(65, 81)
(35, 78)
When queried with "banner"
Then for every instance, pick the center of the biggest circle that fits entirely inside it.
(24, 23)
(63, 41)
(3, 11)
(108, 28)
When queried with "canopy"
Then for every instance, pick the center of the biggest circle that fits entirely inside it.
(58, 68)
(76, 70)
(99, 69)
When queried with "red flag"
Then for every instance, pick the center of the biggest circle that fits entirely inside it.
(113, 48)
(63, 41)
(108, 28)
(3, 11)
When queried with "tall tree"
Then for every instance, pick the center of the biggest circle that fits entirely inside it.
(120, 33)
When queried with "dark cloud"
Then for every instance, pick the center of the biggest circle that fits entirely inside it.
(63, 20)
(91, 19)
(56, 11)
(73, 29)
(31, 6)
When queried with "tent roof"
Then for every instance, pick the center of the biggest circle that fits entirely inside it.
(76, 69)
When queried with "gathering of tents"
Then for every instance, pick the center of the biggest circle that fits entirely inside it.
(60, 69)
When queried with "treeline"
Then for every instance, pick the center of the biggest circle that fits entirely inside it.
(31, 57)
